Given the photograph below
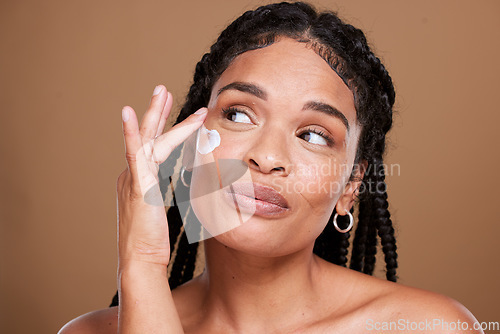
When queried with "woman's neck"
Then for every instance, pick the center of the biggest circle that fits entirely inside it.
(245, 290)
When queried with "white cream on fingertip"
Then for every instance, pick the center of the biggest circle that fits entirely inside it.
(207, 140)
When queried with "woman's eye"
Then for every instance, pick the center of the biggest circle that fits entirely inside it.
(237, 116)
(316, 137)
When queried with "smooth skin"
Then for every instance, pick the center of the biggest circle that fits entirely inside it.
(261, 277)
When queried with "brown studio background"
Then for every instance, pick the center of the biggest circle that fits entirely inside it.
(68, 67)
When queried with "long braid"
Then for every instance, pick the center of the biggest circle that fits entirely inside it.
(384, 225)
(326, 243)
(359, 242)
(331, 245)
(371, 250)
(192, 227)
(183, 267)
(174, 227)
(322, 242)
(183, 263)
(343, 243)
(173, 213)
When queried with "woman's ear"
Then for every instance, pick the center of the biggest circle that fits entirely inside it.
(351, 191)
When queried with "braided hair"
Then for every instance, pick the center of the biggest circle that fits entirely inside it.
(346, 50)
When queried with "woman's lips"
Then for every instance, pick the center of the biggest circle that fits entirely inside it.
(256, 199)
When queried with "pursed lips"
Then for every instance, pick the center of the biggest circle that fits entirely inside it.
(259, 192)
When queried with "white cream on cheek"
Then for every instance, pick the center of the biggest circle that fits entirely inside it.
(207, 140)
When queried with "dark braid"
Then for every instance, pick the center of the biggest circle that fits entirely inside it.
(174, 226)
(360, 237)
(173, 213)
(183, 267)
(346, 50)
(183, 264)
(328, 236)
(371, 249)
(343, 242)
(383, 223)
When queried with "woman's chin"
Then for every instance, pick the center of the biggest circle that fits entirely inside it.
(259, 238)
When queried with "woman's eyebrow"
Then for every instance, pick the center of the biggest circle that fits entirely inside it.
(246, 88)
(327, 109)
(255, 90)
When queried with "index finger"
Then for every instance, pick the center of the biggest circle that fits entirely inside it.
(166, 143)
(151, 119)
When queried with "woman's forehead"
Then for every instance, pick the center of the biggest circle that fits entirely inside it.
(289, 70)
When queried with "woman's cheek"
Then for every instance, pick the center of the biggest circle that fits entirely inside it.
(231, 146)
(319, 181)
(214, 171)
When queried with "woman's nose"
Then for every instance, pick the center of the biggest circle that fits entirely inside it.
(269, 154)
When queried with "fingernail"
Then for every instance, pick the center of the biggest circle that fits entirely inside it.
(157, 90)
(201, 111)
(125, 114)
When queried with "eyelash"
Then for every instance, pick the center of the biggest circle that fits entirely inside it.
(232, 109)
(328, 139)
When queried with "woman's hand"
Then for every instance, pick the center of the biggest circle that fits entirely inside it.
(143, 228)
(146, 303)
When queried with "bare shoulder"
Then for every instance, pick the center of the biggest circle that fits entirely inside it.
(96, 322)
(420, 306)
(377, 305)
(409, 309)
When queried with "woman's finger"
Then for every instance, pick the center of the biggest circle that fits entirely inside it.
(166, 143)
(132, 138)
(165, 113)
(151, 119)
(142, 177)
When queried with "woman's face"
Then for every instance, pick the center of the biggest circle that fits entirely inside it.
(287, 115)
